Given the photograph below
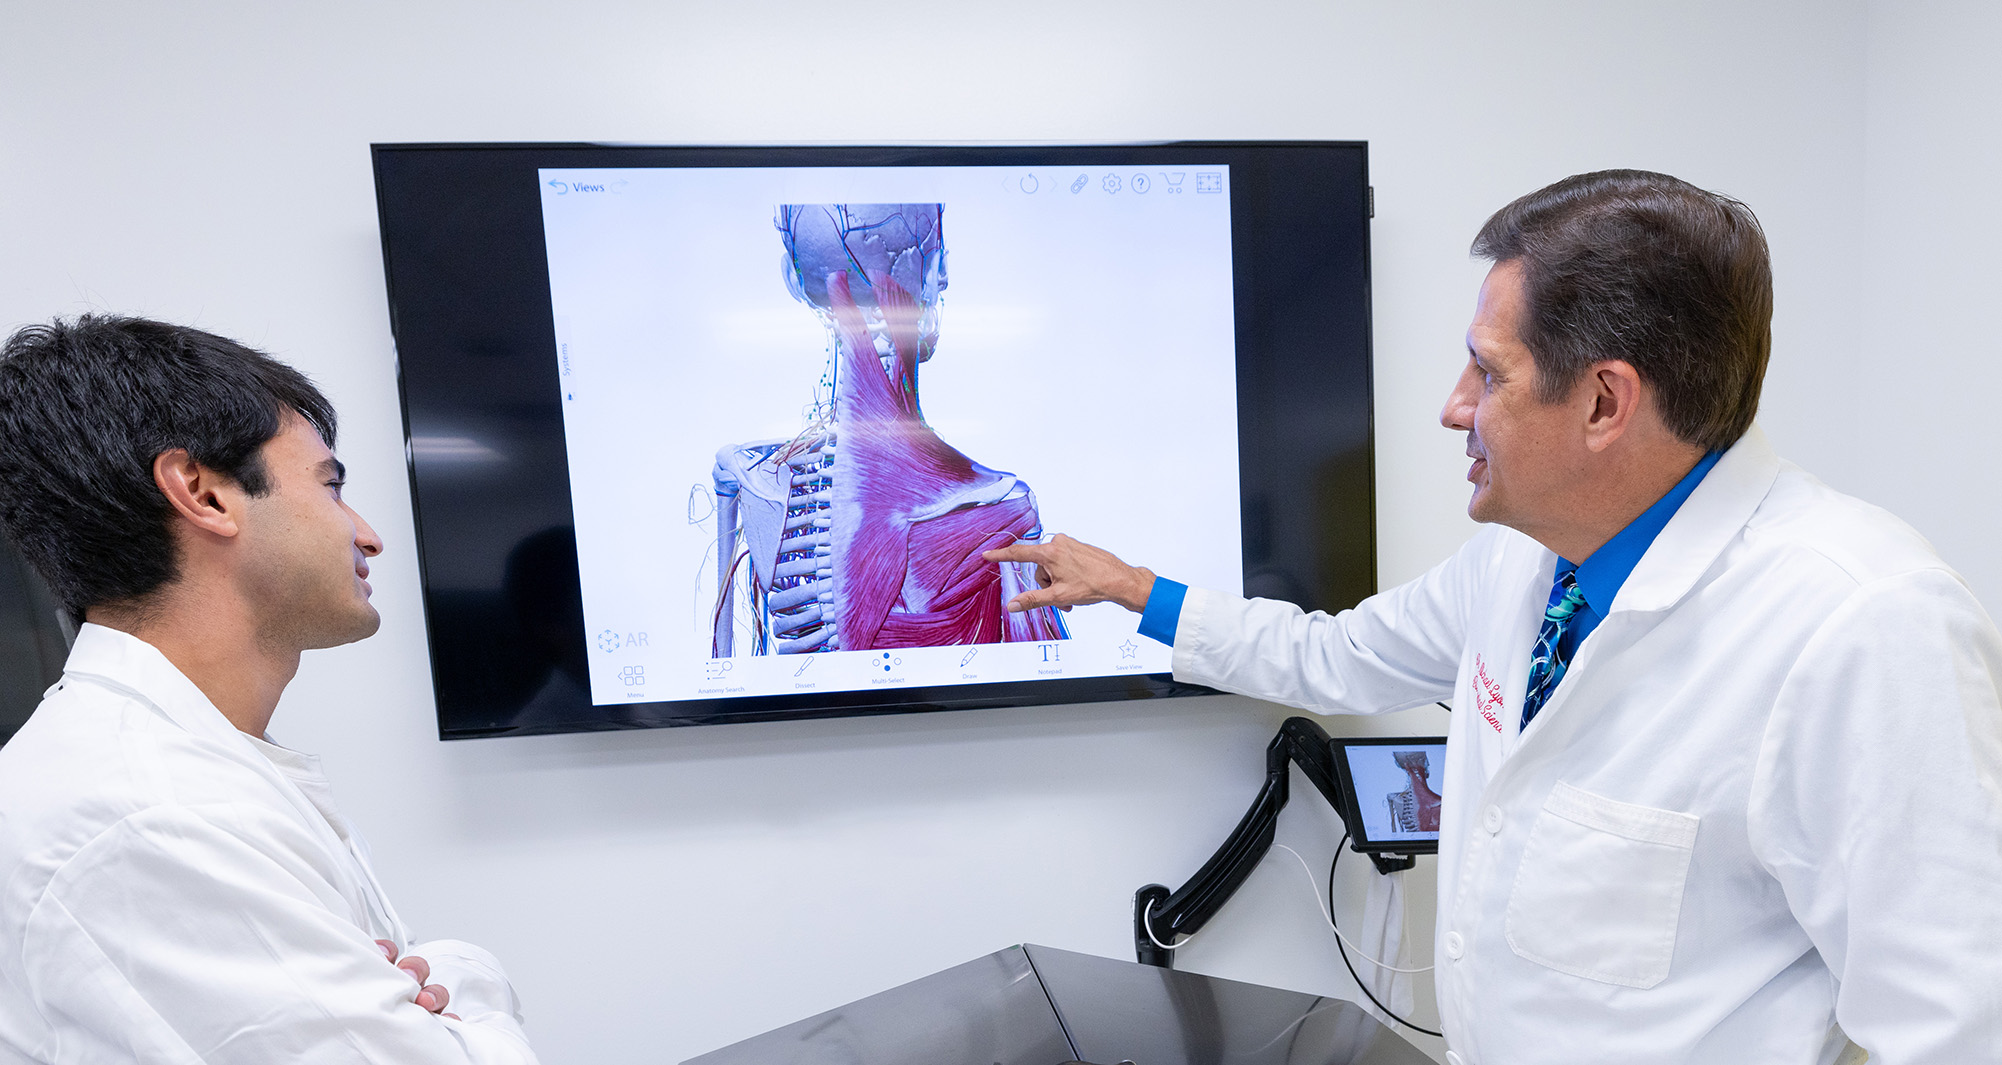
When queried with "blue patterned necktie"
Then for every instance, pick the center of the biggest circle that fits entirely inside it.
(1547, 665)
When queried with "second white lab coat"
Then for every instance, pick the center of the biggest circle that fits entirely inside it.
(1765, 801)
(174, 891)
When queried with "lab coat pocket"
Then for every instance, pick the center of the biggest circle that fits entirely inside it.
(1599, 891)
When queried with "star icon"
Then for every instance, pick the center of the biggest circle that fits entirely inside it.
(1126, 649)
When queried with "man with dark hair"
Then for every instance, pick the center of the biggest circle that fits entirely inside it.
(1724, 777)
(174, 886)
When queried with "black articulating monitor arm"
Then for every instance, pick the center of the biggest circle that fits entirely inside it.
(1160, 916)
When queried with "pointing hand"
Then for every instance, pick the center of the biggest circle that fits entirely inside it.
(1072, 573)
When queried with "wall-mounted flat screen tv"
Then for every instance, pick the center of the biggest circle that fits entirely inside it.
(715, 434)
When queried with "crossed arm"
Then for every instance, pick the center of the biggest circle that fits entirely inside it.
(215, 933)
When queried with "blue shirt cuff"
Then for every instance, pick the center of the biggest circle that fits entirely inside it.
(1164, 610)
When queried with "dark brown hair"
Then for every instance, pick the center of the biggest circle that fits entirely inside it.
(1649, 269)
(86, 405)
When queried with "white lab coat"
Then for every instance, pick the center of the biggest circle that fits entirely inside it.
(1765, 800)
(172, 890)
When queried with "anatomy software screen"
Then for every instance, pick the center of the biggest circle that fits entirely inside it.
(1397, 790)
(799, 403)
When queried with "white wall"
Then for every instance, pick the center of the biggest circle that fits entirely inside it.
(659, 894)
(1928, 247)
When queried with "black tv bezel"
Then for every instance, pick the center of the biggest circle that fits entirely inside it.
(1252, 161)
(1352, 803)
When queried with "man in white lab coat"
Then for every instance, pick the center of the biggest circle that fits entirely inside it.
(174, 887)
(1724, 777)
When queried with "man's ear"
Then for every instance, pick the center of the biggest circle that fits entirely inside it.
(199, 494)
(1616, 391)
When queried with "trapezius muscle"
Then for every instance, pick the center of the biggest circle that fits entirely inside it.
(865, 529)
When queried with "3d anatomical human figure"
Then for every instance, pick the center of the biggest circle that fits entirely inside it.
(864, 530)
(1416, 808)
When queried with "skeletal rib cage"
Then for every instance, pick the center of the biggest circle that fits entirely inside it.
(797, 611)
(1403, 810)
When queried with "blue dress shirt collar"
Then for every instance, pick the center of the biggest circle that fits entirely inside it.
(1601, 575)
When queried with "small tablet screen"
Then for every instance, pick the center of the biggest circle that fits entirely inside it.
(1395, 787)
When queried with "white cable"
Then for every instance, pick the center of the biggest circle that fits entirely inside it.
(1147, 922)
(1330, 918)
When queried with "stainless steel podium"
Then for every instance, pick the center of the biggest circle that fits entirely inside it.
(1032, 1005)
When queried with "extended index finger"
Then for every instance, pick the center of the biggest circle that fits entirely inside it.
(1037, 598)
(1022, 551)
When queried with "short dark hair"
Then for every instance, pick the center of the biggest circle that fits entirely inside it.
(1632, 265)
(87, 405)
